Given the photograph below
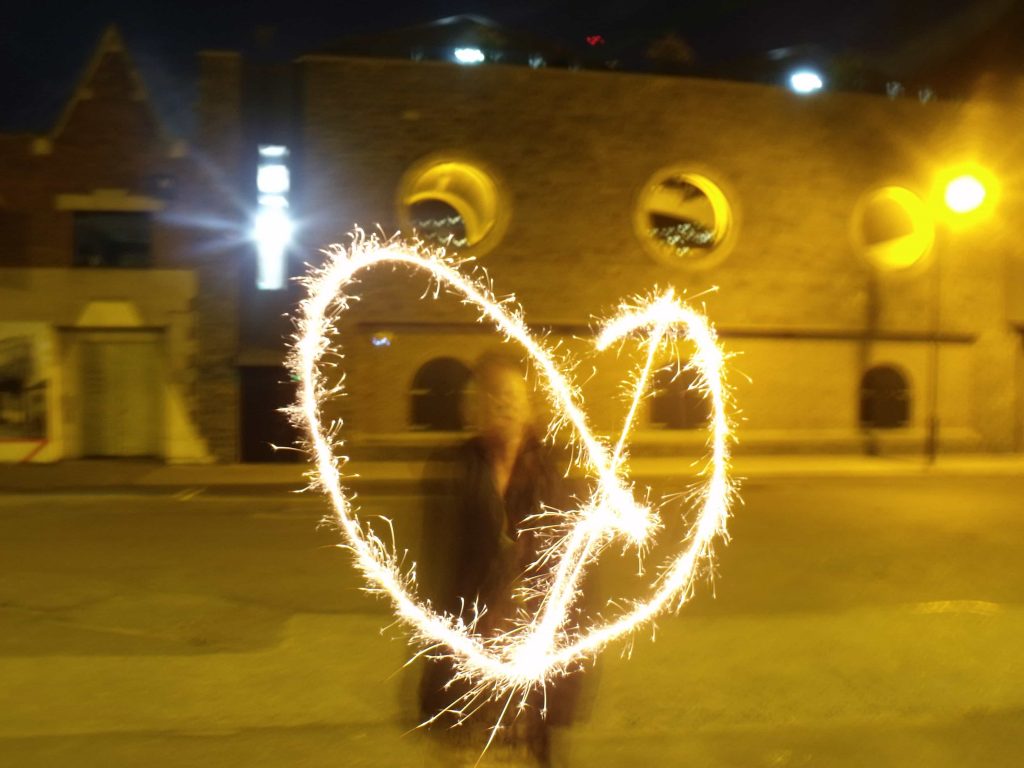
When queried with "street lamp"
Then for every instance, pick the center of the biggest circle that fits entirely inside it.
(966, 193)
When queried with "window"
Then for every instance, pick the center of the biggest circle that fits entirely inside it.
(113, 239)
(22, 390)
(676, 400)
(884, 398)
(454, 204)
(892, 229)
(438, 223)
(437, 390)
(13, 238)
(682, 218)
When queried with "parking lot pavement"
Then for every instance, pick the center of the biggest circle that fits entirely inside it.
(854, 622)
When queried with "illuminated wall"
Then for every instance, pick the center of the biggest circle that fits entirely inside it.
(573, 154)
(71, 317)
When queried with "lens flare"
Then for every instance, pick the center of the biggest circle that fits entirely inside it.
(541, 648)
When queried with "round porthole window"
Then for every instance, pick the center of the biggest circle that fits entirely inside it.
(453, 203)
(684, 219)
(892, 229)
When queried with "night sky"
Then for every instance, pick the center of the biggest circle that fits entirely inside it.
(43, 46)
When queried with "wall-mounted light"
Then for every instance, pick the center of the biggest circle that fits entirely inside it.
(469, 55)
(273, 179)
(272, 226)
(806, 81)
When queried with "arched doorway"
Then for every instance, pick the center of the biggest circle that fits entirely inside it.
(436, 398)
(677, 402)
(884, 398)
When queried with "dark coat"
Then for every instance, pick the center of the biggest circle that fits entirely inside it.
(477, 544)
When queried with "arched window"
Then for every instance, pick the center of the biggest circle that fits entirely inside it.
(437, 391)
(438, 223)
(884, 398)
(676, 401)
(893, 229)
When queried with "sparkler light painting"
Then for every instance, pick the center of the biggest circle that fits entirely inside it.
(537, 649)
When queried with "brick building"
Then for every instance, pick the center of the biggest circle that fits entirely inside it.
(118, 327)
(856, 308)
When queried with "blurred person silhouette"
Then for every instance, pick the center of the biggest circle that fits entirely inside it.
(478, 546)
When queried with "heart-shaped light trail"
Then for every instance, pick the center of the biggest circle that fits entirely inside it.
(545, 646)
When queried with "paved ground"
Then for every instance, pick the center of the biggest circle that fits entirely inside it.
(860, 621)
(393, 470)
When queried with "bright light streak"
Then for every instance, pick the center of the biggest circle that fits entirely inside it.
(273, 201)
(964, 194)
(272, 179)
(273, 150)
(273, 228)
(469, 55)
(548, 645)
(806, 81)
(272, 231)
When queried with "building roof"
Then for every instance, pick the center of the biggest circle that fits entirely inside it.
(437, 39)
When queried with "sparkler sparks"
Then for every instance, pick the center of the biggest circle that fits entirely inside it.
(543, 647)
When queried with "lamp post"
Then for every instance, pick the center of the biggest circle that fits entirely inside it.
(962, 195)
(931, 444)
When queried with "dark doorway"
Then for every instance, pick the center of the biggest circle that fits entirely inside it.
(884, 398)
(437, 389)
(677, 402)
(264, 391)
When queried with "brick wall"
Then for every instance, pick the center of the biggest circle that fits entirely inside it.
(573, 149)
(109, 138)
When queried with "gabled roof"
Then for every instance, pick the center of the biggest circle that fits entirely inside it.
(128, 86)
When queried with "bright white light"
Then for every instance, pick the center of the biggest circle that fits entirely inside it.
(273, 150)
(469, 55)
(272, 231)
(272, 179)
(273, 227)
(806, 81)
(965, 194)
(273, 201)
